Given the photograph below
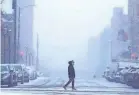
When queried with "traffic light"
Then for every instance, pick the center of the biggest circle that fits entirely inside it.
(21, 53)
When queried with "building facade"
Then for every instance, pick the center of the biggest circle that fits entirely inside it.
(7, 33)
(119, 32)
(17, 31)
(133, 14)
(7, 39)
(113, 43)
(105, 50)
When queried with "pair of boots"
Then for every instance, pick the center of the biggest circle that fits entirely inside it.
(73, 88)
(71, 80)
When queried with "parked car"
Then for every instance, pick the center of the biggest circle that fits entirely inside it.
(133, 77)
(39, 74)
(123, 74)
(32, 72)
(106, 72)
(129, 76)
(110, 75)
(23, 75)
(117, 77)
(26, 75)
(8, 75)
(135, 82)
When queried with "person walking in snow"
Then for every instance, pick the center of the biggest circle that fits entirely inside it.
(71, 74)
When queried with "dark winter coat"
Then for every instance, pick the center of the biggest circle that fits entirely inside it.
(71, 71)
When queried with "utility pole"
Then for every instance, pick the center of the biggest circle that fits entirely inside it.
(110, 51)
(14, 6)
(2, 55)
(37, 61)
(18, 34)
(26, 50)
(9, 42)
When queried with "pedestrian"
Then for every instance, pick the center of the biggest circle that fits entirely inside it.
(71, 74)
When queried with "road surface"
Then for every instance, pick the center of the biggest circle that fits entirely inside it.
(53, 86)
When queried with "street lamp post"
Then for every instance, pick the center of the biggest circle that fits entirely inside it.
(37, 60)
(14, 6)
(4, 34)
(30, 59)
(9, 42)
(26, 50)
(110, 52)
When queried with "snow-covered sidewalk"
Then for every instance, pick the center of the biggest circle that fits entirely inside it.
(44, 84)
(105, 83)
(34, 83)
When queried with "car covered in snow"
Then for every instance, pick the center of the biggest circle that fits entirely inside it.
(32, 72)
(133, 77)
(135, 81)
(123, 74)
(23, 75)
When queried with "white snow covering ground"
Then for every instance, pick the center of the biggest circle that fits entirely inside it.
(105, 83)
(48, 84)
(39, 81)
(57, 93)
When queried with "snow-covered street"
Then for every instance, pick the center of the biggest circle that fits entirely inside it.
(48, 84)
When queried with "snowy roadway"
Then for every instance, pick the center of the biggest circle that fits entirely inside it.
(44, 85)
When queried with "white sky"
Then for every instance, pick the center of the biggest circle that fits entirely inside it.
(64, 26)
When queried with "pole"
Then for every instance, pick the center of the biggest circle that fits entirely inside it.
(15, 16)
(32, 60)
(29, 59)
(26, 55)
(37, 63)
(110, 52)
(9, 47)
(4, 47)
(19, 32)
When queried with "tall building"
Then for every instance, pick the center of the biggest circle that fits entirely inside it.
(105, 50)
(111, 44)
(133, 13)
(119, 32)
